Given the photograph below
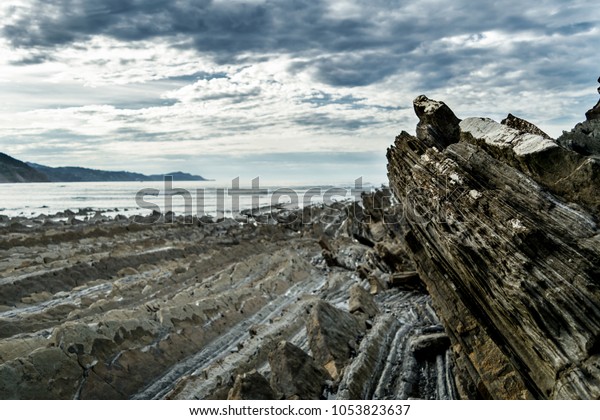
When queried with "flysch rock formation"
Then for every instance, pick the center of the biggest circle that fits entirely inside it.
(474, 276)
(502, 228)
(322, 302)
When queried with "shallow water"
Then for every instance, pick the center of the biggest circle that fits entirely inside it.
(199, 198)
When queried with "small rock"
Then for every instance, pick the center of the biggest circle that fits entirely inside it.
(362, 301)
(430, 345)
(408, 280)
(127, 271)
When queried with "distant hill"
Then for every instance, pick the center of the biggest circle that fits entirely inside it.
(13, 170)
(78, 174)
(178, 176)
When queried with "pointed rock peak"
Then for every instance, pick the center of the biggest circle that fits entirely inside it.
(594, 113)
(438, 126)
(523, 126)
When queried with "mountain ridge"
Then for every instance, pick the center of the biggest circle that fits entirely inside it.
(13, 170)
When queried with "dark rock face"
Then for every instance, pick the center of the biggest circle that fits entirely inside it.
(438, 126)
(523, 126)
(294, 374)
(503, 232)
(429, 345)
(251, 386)
(585, 137)
(594, 113)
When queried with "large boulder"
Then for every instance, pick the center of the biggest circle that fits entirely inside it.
(333, 336)
(294, 374)
(251, 386)
(438, 126)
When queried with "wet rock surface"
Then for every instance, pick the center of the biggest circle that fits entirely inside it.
(167, 307)
(502, 228)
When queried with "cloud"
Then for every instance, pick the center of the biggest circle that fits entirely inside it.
(343, 43)
(245, 78)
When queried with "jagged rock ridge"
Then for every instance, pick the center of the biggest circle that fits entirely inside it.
(503, 230)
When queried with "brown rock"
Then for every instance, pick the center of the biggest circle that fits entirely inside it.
(361, 301)
(510, 258)
(251, 386)
(295, 374)
(333, 336)
(407, 280)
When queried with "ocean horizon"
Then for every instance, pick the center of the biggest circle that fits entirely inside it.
(205, 197)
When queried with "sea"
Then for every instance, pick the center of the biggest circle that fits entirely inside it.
(212, 198)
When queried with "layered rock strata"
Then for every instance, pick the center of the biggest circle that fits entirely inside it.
(289, 304)
(502, 228)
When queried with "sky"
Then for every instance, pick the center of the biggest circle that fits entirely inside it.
(285, 90)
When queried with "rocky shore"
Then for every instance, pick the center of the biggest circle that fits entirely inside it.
(476, 275)
(314, 303)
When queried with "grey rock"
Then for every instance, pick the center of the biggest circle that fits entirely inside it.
(568, 174)
(584, 138)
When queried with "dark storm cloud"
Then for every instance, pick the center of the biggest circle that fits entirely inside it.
(319, 120)
(344, 51)
(30, 59)
(293, 25)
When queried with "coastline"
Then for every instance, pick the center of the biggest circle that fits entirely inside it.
(182, 308)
